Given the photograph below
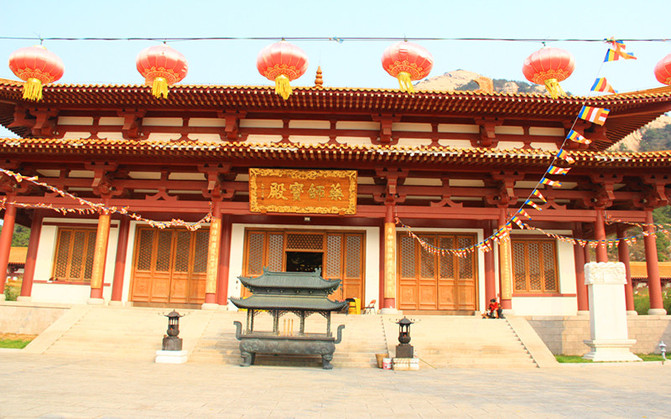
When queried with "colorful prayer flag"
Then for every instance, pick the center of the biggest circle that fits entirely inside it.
(592, 114)
(517, 221)
(532, 204)
(523, 213)
(540, 196)
(574, 136)
(554, 170)
(563, 154)
(617, 51)
(549, 182)
(602, 85)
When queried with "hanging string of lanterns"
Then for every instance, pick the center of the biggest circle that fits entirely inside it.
(161, 66)
(407, 62)
(282, 63)
(548, 66)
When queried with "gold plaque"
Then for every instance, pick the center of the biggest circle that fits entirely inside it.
(302, 191)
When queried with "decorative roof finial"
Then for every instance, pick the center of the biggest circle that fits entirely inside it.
(319, 80)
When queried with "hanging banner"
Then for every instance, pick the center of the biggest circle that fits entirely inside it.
(302, 191)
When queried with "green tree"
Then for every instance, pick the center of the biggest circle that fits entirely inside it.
(21, 235)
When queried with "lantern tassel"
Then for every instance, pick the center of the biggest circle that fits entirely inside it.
(160, 87)
(405, 82)
(32, 89)
(554, 88)
(282, 86)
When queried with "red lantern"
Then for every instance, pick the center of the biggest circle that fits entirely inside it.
(161, 66)
(549, 66)
(36, 66)
(407, 61)
(282, 62)
(663, 70)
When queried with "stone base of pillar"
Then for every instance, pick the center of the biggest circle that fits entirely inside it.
(96, 301)
(632, 313)
(209, 306)
(171, 357)
(583, 313)
(390, 311)
(116, 303)
(657, 312)
(611, 350)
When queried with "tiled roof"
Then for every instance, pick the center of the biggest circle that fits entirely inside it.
(639, 107)
(240, 153)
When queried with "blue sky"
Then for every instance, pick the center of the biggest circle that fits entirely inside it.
(351, 63)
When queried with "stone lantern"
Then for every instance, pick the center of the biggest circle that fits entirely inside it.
(404, 349)
(171, 342)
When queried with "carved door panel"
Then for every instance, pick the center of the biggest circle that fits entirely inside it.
(432, 281)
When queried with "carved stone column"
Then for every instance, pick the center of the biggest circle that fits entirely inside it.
(389, 260)
(213, 261)
(652, 266)
(6, 244)
(99, 258)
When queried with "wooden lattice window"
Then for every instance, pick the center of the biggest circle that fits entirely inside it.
(74, 255)
(534, 266)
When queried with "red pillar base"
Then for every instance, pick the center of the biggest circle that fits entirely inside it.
(210, 302)
(506, 304)
(389, 303)
(96, 293)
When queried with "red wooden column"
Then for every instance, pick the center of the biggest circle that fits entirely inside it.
(224, 261)
(651, 264)
(389, 258)
(213, 249)
(505, 264)
(6, 244)
(490, 274)
(120, 263)
(623, 256)
(31, 257)
(99, 259)
(600, 234)
(581, 289)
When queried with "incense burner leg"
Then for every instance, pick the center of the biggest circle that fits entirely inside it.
(247, 358)
(326, 361)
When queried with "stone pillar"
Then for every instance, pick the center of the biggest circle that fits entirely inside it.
(120, 261)
(651, 264)
(608, 318)
(505, 266)
(99, 259)
(389, 305)
(623, 256)
(6, 244)
(31, 257)
(212, 261)
(490, 273)
(224, 261)
(600, 234)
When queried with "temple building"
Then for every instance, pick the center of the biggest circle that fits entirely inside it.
(167, 201)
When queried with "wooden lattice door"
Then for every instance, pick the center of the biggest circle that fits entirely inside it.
(170, 266)
(434, 282)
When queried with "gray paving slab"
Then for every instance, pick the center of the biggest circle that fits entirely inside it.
(42, 386)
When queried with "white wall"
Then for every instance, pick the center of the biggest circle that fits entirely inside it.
(371, 258)
(66, 293)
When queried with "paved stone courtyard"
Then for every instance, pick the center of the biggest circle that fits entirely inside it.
(38, 386)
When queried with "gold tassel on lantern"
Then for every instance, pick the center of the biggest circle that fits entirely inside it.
(405, 82)
(554, 88)
(160, 87)
(282, 86)
(32, 89)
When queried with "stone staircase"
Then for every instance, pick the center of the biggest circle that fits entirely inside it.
(463, 341)
(209, 337)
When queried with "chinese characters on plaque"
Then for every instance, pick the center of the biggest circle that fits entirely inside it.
(302, 191)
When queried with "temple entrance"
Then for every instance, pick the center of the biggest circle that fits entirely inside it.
(435, 282)
(340, 255)
(169, 266)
